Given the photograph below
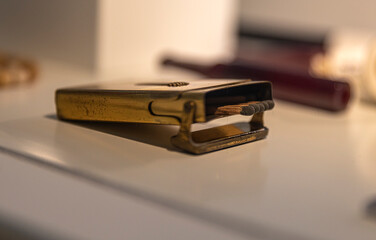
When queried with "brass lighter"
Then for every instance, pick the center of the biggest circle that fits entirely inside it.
(177, 103)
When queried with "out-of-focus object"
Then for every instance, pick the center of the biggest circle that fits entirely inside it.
(295, 86)
(15, 70)
(305, 20)
(371, 208)
(289, 54)
(119, 37)
(351, 55)
(178, 103)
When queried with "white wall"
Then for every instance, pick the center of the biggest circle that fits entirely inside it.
(62, 30)
(118, 37)
(134, 34)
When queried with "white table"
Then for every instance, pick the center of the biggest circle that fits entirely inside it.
(310, 179)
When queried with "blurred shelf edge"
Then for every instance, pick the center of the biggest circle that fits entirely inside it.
(289, 37)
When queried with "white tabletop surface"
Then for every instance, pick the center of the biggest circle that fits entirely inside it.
(310, 179)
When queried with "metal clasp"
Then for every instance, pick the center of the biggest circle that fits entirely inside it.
(216, 138)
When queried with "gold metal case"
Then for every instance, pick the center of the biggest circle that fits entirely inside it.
(178, 103)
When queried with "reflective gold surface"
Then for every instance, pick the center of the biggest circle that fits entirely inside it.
(183, 103)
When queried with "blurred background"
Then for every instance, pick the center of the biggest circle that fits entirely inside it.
(309, 50)
(132, 39)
